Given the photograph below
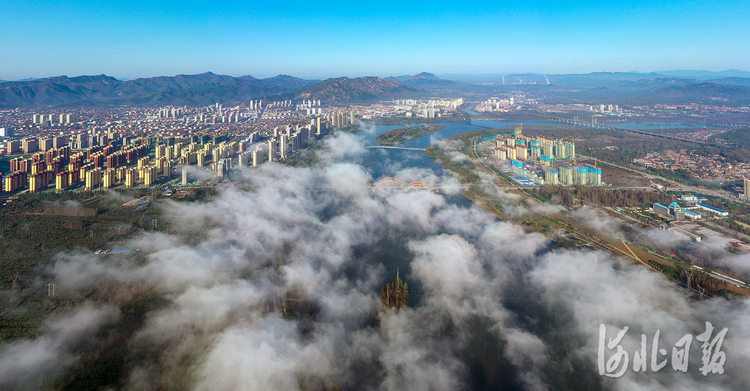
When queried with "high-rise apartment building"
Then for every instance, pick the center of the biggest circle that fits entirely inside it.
(30, 145)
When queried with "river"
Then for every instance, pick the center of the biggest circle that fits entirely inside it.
(382, 163)
(386, 162)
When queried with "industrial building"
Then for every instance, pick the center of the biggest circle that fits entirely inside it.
(676, 211)
(660, 209)
(712, 209)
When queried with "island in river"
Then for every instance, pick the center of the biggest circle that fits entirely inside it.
(400, 135)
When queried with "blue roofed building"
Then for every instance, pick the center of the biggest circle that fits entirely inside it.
(712, 209)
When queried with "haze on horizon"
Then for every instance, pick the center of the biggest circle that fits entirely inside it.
(303, 39)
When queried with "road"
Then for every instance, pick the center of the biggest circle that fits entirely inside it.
(680, 187)
(620, 246)
(476, 155)
(693, 189)
(617, 246)
(621, 129)
(482, 160)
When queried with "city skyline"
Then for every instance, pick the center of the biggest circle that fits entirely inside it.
(309, 41)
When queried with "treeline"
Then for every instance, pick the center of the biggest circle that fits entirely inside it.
(682, 176)
(26, 241)
(464, 169)
(731, 224)
(57, 196)
(631, 148)
(397, 136)
(36, 227)
(460, 116)
(669, 271)
(731, 185)
(744, 219)
(700, 282)
(37, 202)
(739, 137)
(567, 195)
(703, 283)
(70, 211)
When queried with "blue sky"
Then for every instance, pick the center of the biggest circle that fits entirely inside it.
(327, 39)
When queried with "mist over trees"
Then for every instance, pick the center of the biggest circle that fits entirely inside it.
(275, 284)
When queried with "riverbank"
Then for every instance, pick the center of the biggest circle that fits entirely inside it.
(562, 226)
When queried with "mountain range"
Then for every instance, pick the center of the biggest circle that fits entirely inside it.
(204, 88)
(729, 87)
(360, 89)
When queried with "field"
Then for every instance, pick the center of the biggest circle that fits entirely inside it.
(36, 228)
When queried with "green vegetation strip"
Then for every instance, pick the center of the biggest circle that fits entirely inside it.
(400, 135)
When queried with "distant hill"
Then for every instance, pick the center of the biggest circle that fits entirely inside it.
(495, 79)
(484, 78)
(650, 84)
(285, 82)
(661, 92)
(400, 79)
(586, 80)
(204, 88)
(526, 78)
(706, 93)
(426, 76)
(600, 79)
(706, 75)
(577, 80)
(360, 89)
(423, 80)
(55, 90)
(208, 88)
(429, 82)
(436, 85)
(732, 81)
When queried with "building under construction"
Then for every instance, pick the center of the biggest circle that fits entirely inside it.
(395, 294)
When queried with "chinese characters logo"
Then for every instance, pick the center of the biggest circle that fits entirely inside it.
(713, 358)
